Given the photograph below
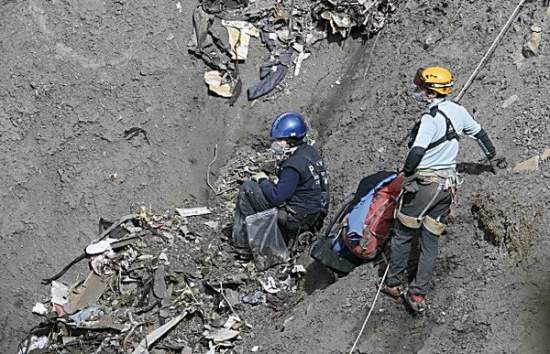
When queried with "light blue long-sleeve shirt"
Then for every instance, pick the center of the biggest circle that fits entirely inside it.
(432, 129)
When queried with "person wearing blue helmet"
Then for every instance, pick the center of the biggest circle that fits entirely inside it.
(301, 193)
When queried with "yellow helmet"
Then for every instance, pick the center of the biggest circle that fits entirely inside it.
(435, 78)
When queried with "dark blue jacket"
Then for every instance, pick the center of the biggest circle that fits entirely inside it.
(303, 183)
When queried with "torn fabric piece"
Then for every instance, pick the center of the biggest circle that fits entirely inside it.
(269, 39)
(201, 24)
(271, 75)
(239, 37)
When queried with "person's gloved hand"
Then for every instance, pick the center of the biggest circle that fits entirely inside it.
(258, 177)
(498, 160)
(269, 166)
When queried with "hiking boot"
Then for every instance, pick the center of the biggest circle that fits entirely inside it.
(416, 303)
(392, 291)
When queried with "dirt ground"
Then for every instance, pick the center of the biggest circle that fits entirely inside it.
(77, 74)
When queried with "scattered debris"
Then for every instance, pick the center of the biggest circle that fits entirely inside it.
(145, 277)
(131, 133)
(212, 224)
(298, 269)
(223, 32)
(220, 84)
(152, 337)
(233, 322)
(222, 335)
(232, 297)
(531, 164)
(253, 298)
(269, 286)
(510, 101)
(89, 293)
(278, 301)
(59, 294)
(369, 16)
(531, 48)
(187, 212)
(89, 314)
(40, 309)
(33, 343)
(239, 37)
(159, 283)
(116, 179)
(100, 247)
(271, 74)
(299, 60)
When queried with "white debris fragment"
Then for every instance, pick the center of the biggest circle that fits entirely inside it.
(510, 101)
(232, 321)
(298, 268)
(269, 286)
(100, 247)
(212, 224)
(59, 293)
(163, 258)
(222, 335)
(186, 212)
(298, 62)
(152, 337)
(40, 309)
(33, 343)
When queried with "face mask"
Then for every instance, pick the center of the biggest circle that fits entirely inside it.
(419, 97)
(277, 149)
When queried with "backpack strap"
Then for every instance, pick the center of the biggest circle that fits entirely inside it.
(450, 132)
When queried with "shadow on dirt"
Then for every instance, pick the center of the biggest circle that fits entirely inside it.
(473, 168)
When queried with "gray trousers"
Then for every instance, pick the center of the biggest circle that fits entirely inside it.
(251, 200)
(413, 205)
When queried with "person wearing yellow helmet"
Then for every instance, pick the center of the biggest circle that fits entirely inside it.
(434, 79)
(430, 181)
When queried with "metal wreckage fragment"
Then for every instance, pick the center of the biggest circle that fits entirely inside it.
(224, 30)
(165, 281)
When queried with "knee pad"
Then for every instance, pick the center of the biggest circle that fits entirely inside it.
(409, 221)
(433, 226)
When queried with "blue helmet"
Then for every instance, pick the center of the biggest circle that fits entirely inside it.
(288, 125)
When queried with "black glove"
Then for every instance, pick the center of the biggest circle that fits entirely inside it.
(498, 161)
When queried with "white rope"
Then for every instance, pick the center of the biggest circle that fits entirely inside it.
(371, 309)
(490, 51)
